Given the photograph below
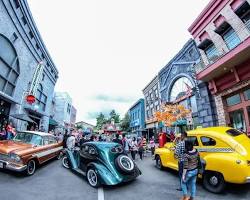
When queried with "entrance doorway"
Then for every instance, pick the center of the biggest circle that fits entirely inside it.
(4, 113)
(238, 110)
(36, 125)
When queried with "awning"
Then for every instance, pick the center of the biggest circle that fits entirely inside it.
(181, 122)
(53, 122)
(23, 117)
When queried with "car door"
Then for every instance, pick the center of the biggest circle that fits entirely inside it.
(172, 160)
(88, 154)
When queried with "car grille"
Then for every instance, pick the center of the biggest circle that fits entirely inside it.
(4, 157)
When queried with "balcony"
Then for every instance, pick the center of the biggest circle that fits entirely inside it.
(220, 64)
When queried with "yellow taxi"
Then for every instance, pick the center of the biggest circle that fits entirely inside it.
(225, 150)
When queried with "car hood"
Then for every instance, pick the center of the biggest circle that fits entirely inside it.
(8, 146)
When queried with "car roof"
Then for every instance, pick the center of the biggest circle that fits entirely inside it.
(103, 144)
(210, 130)
(37, 133)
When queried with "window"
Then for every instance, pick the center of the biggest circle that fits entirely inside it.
(157, 108)
(211, 52)
(9, 66)
(13, 37)
(52, 140)
(41, 98)
(17, 4)
(193, 104)
(233, 100)
(194, 140)
(24, 20)
(237, 119)
(231, 38)
(68, 108)
(207, 141)
(43, 77)
(243, 13)
(37, 46)
(31, 34)
(247, 94)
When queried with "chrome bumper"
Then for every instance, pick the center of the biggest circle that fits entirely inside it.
(248, 179)
(13, 167)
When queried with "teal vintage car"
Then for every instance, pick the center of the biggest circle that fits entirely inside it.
(102, 163)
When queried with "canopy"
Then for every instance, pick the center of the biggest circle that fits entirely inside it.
(53, 122)
(180, 122)
(23, 117)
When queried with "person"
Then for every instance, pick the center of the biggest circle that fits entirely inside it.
(71, 141)
(134, 148)
(140, 147)
(100, 138)
(9, 131)
(125, 144)
(152, 145)
(65, 138)
(179, 153)
(190, 170)
(117, 140)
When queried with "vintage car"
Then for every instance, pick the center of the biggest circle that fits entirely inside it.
(27, 150)
(102, 163)
(225, 150)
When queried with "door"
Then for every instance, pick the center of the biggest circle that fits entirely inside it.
(88, 153)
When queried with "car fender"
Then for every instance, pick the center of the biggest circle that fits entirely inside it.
(107, 177)
(72, 160)
(164, 154)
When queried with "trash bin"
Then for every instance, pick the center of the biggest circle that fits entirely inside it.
(162, 139)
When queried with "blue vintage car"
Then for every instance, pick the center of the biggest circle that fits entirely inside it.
(102, 163)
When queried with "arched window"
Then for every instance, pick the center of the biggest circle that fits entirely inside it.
(9, 66)
(179, 88)
(41, 97)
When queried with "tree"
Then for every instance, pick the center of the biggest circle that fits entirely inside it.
(171, 113)
(125, 123)
(100, 121)
(115, 116)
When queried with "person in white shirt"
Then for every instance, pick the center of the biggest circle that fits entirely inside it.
(71, 141)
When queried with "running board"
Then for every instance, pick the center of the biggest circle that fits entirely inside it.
(79, 171)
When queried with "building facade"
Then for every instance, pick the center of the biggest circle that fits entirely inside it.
(86, 127)
(178, 84)
(23, 54)
(137, 117)
(63, 107)
(73, 115)
(152, 104)
(221, 33)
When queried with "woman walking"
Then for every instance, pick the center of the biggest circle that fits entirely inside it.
(152, 145)
(141, 148)
(190, 170)
(134, 148)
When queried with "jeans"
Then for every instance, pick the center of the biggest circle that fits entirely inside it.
(190, 183)
(133, 154)
(180, 168)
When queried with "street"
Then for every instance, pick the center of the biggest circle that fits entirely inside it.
(51, 182)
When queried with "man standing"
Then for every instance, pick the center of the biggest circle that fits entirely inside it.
(117, 140)
(125, 144)
(71, 141)
(179, 153)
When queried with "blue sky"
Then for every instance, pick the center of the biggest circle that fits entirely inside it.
(108, 51)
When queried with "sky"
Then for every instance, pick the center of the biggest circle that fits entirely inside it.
(108, 51)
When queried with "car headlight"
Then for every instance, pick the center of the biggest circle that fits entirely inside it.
(15, 157)
(117, 149)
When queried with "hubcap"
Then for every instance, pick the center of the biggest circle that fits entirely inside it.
(127, 163)
(158, 163)
(31, 167)
(65, 162)
(92, 177)
(213, 180)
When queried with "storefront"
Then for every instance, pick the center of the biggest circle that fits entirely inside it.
(237, 107)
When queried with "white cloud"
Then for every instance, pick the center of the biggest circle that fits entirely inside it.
(111, 47)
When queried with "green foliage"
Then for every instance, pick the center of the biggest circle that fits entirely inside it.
(125, 123)
(100, 120)
(115, 116)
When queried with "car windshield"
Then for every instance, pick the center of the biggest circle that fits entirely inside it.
(28, 138)
(233, 132)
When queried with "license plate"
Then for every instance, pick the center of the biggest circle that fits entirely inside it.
(1, 165)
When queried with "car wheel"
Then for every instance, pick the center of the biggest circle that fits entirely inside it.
(158, 162)
(31, 167)
(65, 162)
(214, 182)
(92, 178)
(125, 164)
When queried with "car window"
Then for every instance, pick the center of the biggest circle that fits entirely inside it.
(194, 140)
(52, 140)
(46, 140)
(207, 141)
(89, 150)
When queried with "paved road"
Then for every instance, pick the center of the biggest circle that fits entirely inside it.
(53, 182)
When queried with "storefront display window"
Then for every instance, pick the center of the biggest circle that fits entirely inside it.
(4, 113)
(237, 120)
(233, 100)
(247, 94)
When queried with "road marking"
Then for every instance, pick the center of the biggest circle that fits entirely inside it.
(100, 193)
